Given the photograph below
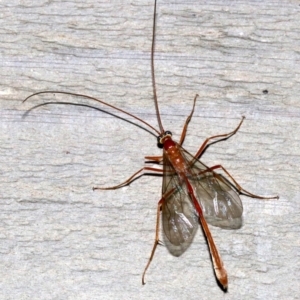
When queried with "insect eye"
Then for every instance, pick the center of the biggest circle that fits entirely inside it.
(159, 142)
(161, 137)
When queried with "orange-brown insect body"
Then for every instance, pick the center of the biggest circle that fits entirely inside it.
(173, 154)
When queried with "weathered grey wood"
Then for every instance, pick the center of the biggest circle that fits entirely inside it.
(61, 240)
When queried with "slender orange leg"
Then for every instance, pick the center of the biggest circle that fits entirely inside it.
(157, 159)
(129, 180)
(239, 188)
(188, 119)
(221, 136)
(156, 241)
(218, 265)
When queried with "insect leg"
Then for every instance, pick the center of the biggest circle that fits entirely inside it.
(220, 136)
(156, 241)
(236, 185)
(157, 159)
(129, 180)
(218, 265)
(187, 121)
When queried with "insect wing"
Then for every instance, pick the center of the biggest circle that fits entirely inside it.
(179, 218)
(220, 203)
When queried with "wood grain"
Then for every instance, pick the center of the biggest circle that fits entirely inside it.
(61, 240)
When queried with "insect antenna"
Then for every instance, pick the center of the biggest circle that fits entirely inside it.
(153, 73)
(114, 107)
(94, 99)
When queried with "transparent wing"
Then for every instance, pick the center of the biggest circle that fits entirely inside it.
(220, 203)
(179, 218)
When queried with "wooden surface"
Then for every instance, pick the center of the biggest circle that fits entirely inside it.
(61, 240)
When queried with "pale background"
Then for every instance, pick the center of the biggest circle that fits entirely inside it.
(61, 240)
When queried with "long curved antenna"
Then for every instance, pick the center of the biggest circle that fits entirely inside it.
(97, 100)
(114, 107)
(93, 107)
(153, 73)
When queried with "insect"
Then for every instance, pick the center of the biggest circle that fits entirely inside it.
(192, 193)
